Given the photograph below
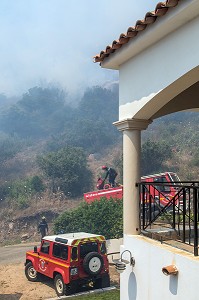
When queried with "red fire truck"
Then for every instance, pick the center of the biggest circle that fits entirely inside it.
(164, 192)
(75, 261)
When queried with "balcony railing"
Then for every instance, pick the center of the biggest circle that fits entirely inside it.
(173, 205)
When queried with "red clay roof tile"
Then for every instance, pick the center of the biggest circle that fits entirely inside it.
(123, 39)
(131, 32)
(150, 17)
(116, 45)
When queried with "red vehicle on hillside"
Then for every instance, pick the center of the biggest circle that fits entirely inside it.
(161, 192)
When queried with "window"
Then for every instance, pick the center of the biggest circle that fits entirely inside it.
(56, 250)
(60, 251)
(103, 248)
(162, 188)
(175, 178)
(45, 247)
(88, 247)
(74, 253)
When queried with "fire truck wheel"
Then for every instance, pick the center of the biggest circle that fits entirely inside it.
(31, 273)
(107, 186)
(93, 263)
(72, 288)
(105, 281)
(102, 282)
(60, 286)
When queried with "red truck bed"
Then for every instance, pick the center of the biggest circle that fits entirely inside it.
(116, 192)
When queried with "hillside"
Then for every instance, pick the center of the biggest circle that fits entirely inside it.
(181, 132)
(20, 224)
(42, 124)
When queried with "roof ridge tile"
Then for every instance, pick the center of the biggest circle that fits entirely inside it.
(140, 25)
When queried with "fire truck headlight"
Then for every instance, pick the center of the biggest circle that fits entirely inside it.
(74, 271)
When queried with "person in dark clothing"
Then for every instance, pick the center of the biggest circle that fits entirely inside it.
(43, 227)
(110, 174)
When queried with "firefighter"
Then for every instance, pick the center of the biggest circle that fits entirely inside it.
(43, 227)
(110, 174)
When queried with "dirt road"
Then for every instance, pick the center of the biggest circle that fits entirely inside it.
(13, 283)
(15, 253)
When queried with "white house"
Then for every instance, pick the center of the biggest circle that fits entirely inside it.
(158, 64)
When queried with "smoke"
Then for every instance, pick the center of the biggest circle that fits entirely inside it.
(54, 41)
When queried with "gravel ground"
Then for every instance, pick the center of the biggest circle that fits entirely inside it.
(13, 283)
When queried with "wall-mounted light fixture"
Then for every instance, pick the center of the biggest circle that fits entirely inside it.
(121, 263)
(170, 270)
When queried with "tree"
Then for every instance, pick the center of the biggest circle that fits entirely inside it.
(118, 164)
(102, 217)
(42, 100)
(154, 156)
(68, 169)
(36, 184)
(41, 112)
(93, 136)
(99, 103)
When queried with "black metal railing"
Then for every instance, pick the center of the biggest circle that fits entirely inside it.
(173, 205)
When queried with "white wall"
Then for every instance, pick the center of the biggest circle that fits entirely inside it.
(156, 68)
(113, 245)
(147, 282)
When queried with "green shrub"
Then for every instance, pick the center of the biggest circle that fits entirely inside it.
(19, 192)
(102, 217)
(25, 187)
(22, 202)
(36, 184)
(195, 160)
(4, 191)
(68, 170)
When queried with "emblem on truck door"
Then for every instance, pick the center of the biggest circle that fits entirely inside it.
(42, 265)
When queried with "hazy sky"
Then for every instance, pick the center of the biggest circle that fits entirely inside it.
(54, 41)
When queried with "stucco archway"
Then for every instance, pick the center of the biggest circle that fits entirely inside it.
(182, 94)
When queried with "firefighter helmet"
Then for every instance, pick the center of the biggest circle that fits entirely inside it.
(104, 168)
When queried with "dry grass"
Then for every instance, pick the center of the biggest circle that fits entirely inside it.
(15, 222)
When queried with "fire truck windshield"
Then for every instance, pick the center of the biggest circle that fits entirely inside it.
(174, 177)
(162, 188)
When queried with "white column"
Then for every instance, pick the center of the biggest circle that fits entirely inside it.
(131, 172)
